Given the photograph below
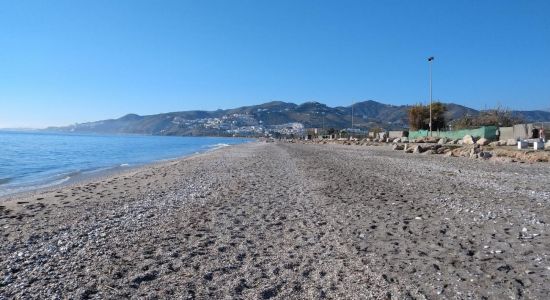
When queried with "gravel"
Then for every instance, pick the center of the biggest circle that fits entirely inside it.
(286, 221)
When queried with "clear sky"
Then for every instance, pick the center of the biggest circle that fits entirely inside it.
(74, 61)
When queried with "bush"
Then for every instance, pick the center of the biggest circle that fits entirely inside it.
(498, 116)
(419, 116)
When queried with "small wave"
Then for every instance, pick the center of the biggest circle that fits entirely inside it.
(70, 174)
(29, 187)
(124, 165)
(218, 146)
(98, 170)
(60, 181)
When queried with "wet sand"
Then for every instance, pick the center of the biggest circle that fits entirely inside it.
(286, 221)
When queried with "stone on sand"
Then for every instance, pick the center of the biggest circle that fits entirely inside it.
(468, 140)
(398, 147)
(511, 142)
(483, 142)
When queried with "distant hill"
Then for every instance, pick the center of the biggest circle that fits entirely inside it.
(532, 115)
(271, 116)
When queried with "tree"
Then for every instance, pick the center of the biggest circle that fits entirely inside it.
(416, 117)
(343, 133)
(376, 130)
(419, 116)
(438, 116)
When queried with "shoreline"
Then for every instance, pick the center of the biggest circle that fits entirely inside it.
(99, 174)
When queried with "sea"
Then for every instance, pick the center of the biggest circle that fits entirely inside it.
(35, 160)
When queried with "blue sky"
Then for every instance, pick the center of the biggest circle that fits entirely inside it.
(74, 61)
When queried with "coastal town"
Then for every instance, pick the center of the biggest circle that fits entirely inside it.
(241, 125)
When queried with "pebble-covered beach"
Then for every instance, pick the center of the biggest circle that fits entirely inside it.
(286, 221)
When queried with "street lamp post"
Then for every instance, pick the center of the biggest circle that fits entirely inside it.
(352, 105)
(430, 60)
(323, 122)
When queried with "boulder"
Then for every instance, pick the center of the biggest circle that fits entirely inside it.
(398, 147)
(408, 149)
(429, 151)
(547, 145)
(417, 149)
(483, 142)
(442, 141)
(431, 139)
(485, 155)
(494, 144)
(468, 140)
(511, 142)
(397, 140)
(442, 150)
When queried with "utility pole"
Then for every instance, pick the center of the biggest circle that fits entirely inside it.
(323, 122)
(352, 105)
(430, 60)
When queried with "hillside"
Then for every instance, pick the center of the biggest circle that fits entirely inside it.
(273, 116)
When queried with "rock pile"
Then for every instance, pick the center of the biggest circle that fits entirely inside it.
(427, 149)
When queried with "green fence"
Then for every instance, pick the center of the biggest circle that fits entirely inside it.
(488, 132)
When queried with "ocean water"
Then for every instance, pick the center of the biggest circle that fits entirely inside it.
(30, 160)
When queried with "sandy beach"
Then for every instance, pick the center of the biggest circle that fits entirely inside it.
(286, 221)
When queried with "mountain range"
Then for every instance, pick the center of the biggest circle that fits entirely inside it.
(272, 116)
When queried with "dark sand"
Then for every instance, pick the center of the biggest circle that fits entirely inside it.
(286, 221)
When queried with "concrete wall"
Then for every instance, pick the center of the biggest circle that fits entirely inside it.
(488, 132)
(522, 131)
(396, 134)
(525, 131)
(506, 133)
